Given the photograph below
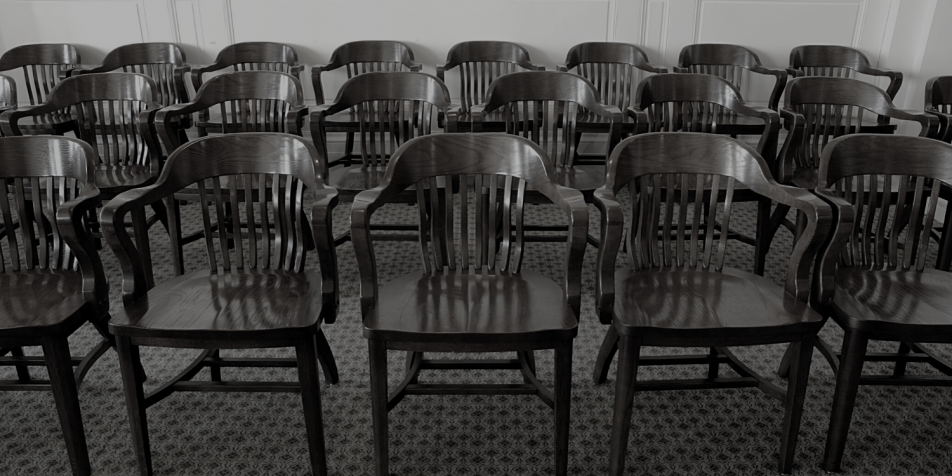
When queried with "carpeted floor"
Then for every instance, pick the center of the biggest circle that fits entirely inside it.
(895, 431)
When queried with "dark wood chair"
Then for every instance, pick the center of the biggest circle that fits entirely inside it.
(676, 292)
(470, 300)
(389, 108)
(479, 63)
(248, 56)
(938, 101)
(243, 101)
(615, 70)
(877, 280)
(255, 292)
(695, 102)
(359, 57)
(163, 62)
(50, 273)
(41, 65)
(838, 61)
(733, 63)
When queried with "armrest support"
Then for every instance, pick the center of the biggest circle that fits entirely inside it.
(325, 200)
(316, 71)
(573, 204)
(786, 159)
(71, 225)
(538, 67)
(10, 118)
(829, 255)
(441, 72)
(781, 82)
(112, 221)
(416, 67)
(295, 120)
(612, 225)
(364, 205)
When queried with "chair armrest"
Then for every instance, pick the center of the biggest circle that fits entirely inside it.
(786, 159)
(794, 73)
(819, 217)
(415, 67)
(653, 69)
(179, 74)
(72, 71)
(678, 69)
(612, 225)
(538, 67)
(441, 72)
(829, 254)
(363, 206)
(452, 117)
(895, 79)
(561, 67)
(296, 70)
(767, 147)
(944, 120)
(9, 119)
(164, 127)
(637, 115)
(573, 203)
(774, 101)
(316, 71)
(295, 120)
(325, 200)
(928, 122)
(318, 115)
(70, 222)
(616, 129)
(476, 115)
(112, 222)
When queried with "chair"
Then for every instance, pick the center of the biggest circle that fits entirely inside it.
(248, 56)
(389, 108)
(884, 191)
(255, 292)
(838, 61)
(41, 65)
(614, 69)
(466, 300)
(734, 63)
(50, 273)
(938, 101)
(676, 291)
(163, 62)
(359, 57)
(479, 64)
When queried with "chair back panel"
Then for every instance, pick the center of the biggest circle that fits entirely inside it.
(612, 67)
(252, 101)
(481, 62)
(688, 102)
(40, 174)
(41, 65)
(361, 57)
(258, 56)
(828, 60)
(158, 61)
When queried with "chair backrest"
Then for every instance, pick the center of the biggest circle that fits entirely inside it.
(359, 57)
(838, 61)
(938, 100)
(889, 190)
(731, 62)
(8, 92)
(246, 101)
(500, 167)
(682, 184)
(45, 212)
(391, 108)
(41, 65)
(251, 56)
(824, 108)
(480, 63)
(163, 62)
(544, 106)
(255, 180)
(611, 67)
(115, 114)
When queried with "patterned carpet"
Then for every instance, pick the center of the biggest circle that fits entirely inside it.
(895, 431)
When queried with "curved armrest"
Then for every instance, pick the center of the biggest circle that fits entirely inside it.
(147, 130)
(452, 117)
(787, 158)
(829, 255)
(678, 69)
(179, 75)
(477, 113)
(165, 126)
(296, 70)
(617, 128)
(573, 204)
(944, 121)
(895, 79)
(112, 222)
(441, 72)
(538, 67)
(767, 147)
(774, 101)
(316, 71)
(72, 71)
(612, 226)
(295, 120)
(10, 118)
(325, 200)
(653, 69)
(318, 115)
(416, 67)
(364, 205)
(794, 73)
(69, 221)
(928, 122)
(637, 115)
(819, 218)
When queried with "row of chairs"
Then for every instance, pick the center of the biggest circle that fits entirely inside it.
(473, 294)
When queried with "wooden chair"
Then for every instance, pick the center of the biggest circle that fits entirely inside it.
(359, 57)
(163, 62)
(676, 291)
(50, 273)
(734, 63)
(614, 69)
(244, 101)
(248, 56)
(479, 64)
(466, 300)
(838, 61)
(884, 191)
(8, 94)
(41, 65)
(694, 102)
(938, 101)
(389, 108)
(255, 292)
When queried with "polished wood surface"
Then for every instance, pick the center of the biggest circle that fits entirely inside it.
(359, 57)
(480, 63)
(676, 291)
(8, 94)
(163, 62)
(50, 272)
(731, 62)
(470, 298)
(838, 61)
(938, 101)
(254, 292)
(42, 65)
(885, 191)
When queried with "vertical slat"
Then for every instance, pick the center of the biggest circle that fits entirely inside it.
(506, 224)
(518, 218)
(450, 223)
(696, 222)
(423, 227)
(860, 208)
(264, 205)
(250, 218)
(637, 201)
(297, 219)
(883, 216)
(924, 231)
(669, 192)
(8, 225)
(684, 191)
(912, 235)
(42, 246)
(207, 225)
(284, 235)
(437, 226)
(897, 223)
(55, 196)
(491, 221)
(222, 226)
(725, 226)
(464, 220)
(479, 202)
(655, 216)
(26, 228)
(236, 220)
(711, 219)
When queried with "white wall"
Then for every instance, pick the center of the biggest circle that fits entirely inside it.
(894, 34)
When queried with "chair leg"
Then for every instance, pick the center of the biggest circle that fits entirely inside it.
(141, 232)
(132, 379)
(900, 369)
(783, 370)
(23, 372)
(793, 406)
(378, 399)
(762, 241)
(605, 354)
(214, 369)
(624, 399)
(326, 358)
(563, 400)
(844, 397)
(63, 383)
(311, 398)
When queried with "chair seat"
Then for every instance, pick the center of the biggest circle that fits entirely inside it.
(256, 304)
(584, 178)
(124, 177)
(40, 302)
(55, 124)
(354, 179)
(733, 306)
(894, 301)
(471, 308)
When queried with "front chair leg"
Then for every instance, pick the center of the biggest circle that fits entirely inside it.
(563, 399)
(378, 402)
(59, 364)
(326, 358)
(605, 354)
(793, 406)
(311, 398)
(624, 399)
(844, 398)
(132, 379)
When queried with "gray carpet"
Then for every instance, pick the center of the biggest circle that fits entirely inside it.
(895, 430)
